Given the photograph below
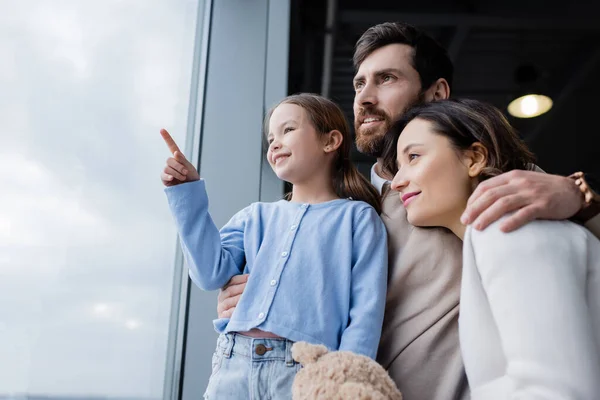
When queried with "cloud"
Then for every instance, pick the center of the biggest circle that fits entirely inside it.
(86, 241)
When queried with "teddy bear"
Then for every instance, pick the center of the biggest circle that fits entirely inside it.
(339, 375)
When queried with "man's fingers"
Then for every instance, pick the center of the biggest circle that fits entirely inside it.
(226, 313)
(234, 290)
(231, 302)
(518, 219)
(230, 295)
(228, 304)
(234, 287)
(169, 141)
(173, 172)
(484, 186)
(483, 202)
(223, 294)
(237, 279)
(498, 209)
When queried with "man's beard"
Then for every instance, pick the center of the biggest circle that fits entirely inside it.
(370, 141)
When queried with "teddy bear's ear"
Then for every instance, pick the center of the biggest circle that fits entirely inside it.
(306, 353)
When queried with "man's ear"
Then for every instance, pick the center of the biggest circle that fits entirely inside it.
(476, 158)
(333, 141)
(439, 90)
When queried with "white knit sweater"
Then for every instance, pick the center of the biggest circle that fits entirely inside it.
(530, 312)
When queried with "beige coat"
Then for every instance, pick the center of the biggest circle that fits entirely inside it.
(419, 342)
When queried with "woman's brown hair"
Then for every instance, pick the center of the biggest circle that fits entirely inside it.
(326, 116)
(465, 122)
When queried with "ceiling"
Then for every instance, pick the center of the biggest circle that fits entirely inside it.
(487, 41)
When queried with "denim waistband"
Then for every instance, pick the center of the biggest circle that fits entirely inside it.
(256, 349)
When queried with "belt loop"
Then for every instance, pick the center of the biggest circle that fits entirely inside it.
(289, 360)
(230, 342)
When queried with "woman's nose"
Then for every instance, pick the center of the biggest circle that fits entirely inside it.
(399, 182)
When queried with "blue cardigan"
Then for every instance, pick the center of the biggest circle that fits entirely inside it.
(318, 272)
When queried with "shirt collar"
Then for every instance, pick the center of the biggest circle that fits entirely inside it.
(377, 181)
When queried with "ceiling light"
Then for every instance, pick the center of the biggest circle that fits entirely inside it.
(530, 106)
(530, 100)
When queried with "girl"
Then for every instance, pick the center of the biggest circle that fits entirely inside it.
(317, 261)
(530, 299)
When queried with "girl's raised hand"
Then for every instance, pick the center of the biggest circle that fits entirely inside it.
(178, 169)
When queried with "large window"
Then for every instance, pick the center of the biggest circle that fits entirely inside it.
(87, 244)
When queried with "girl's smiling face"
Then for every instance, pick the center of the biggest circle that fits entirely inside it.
(296, 150)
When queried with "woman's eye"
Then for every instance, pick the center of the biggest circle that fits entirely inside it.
(286, 130)
(412, 156)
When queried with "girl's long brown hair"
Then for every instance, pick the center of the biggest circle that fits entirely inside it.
(325, 117)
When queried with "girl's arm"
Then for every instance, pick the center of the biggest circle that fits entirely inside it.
(213, 257)
(369, 285)
(535, 281)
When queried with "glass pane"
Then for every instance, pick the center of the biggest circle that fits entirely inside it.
(87, 245)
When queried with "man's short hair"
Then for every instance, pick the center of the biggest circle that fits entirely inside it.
(430, 59)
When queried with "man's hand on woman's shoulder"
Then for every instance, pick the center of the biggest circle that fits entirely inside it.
(532, 195)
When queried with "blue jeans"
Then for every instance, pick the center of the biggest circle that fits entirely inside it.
(248, 368)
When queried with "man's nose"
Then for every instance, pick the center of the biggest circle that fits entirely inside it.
(367, 96)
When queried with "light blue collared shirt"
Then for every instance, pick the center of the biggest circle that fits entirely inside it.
(318, 272)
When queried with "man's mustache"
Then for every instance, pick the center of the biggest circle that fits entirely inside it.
(364, 111)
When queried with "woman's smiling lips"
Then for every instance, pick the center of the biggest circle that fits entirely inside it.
(409, 197)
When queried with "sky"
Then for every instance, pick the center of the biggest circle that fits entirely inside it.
(87, 244)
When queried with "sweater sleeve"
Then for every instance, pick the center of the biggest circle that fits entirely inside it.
(535, 283)
(593, 225)
(368, 287)
(212, 256)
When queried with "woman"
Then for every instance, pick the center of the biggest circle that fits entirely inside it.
(530, 299)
